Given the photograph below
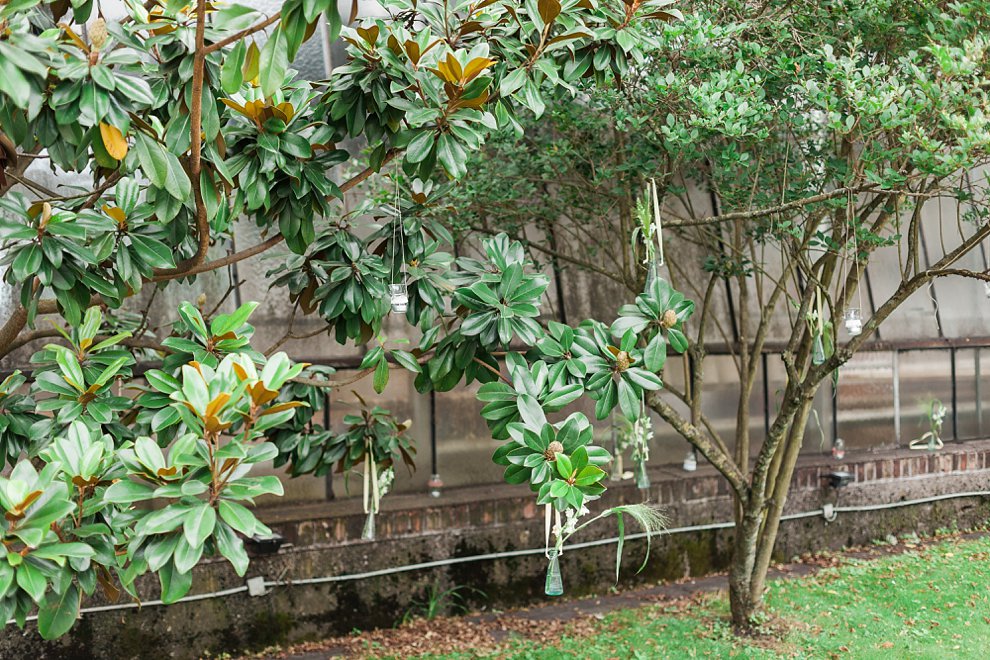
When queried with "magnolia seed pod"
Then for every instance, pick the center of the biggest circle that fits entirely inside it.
(98, 33)
(553, 449)
(623, 360)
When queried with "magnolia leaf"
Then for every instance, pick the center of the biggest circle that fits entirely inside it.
(549, 10)
(232, 73)
(59, 612)
(273, 63)
(113, 140)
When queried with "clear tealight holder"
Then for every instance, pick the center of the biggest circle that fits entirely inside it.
(839, 449)
(399, 296)
(854, 321)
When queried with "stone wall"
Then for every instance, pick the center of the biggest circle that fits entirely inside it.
(323, 540)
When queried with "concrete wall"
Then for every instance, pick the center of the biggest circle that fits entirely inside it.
(466, 522)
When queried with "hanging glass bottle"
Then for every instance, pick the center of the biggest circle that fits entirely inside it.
(368, 533)
(642, 477)
(555, 583)
(653, 272)
(818, 350)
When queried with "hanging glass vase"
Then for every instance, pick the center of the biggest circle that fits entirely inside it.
(555, 583)
(653, 272)
(435, 484)
(399, 296)
(853, 321)
(818, 350)
(642, 477)
(368, 533)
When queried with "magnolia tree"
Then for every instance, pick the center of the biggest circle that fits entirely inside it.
(186, 122)
(827, 134)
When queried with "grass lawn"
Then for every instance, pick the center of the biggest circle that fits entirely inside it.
(930, 602)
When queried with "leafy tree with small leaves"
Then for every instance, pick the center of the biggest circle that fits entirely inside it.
(793, 146)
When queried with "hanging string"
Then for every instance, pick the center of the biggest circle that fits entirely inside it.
(398, 236)
(851, 216)
(819, 309)
(846, 266)
(367, 483)
(372, 498)
(931, 283)
(658, 224)
(983, 245)
(547, 526)
(931, 294)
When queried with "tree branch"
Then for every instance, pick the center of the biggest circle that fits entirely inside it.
(246, 32)
(722, 462)
(246, 253)
(772, 210)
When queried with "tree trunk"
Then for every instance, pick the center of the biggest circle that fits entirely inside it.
(742, 603)
(757, 530)
(777, 496)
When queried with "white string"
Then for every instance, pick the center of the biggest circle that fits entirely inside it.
(375, 494)
(367, 483)
(931, 294)
(658, 224)
(546, 525)
(398, 242)
(855, 263)
(847, 266)
(372, 498)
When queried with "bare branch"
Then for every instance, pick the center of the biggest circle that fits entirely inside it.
(773, 210)
(721, 461)
(246, 32)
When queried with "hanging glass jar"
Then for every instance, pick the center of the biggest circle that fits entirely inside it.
(854, 321)
(555, 584)
(435, 484)
(399, 297)
(690, 461)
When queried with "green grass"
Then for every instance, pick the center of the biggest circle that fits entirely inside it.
(928, 603)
